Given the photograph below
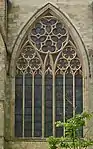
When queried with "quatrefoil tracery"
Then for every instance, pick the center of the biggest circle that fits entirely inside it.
(64, 64)
(28, 59)
(67, 59)
(49, 36)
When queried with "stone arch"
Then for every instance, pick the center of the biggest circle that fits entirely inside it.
(3, 51)
(72, 29)
(2, 87)
(81, 50)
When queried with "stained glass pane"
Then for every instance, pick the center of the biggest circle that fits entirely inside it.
(18, 105)
(59, 102)
(18, 128)
(38, 106)
(28, 106)
(79, 93)
(48, 106)
(52, 29)
(69, 96)
(48, 36)
(79, 99)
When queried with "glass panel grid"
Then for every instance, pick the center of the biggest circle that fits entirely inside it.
(48, 106)
(59, 102)
(38, 106)
(48, 84)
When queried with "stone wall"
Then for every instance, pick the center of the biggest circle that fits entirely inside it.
(19, 12)
(2, 89)
(80, 12)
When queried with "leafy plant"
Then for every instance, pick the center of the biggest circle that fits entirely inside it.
(73, 138)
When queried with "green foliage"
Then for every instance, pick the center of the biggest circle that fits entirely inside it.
(53, 142)
(72, 138)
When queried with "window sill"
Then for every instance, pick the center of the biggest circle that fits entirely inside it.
(25, 139)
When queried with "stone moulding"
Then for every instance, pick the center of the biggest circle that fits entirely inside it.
(72, 29)
(81, 50)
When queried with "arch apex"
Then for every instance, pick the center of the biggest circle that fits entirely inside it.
(49, 4)
(63, 18)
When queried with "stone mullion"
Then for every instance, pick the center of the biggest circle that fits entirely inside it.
(43, 95)
(23, 108)
(64, 97)
(74, 108)
(33, 121)
(12, 108)
(85, 103)
(53, 104)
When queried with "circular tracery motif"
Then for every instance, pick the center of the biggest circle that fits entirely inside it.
(69, 52)
(49, 34)
(75, 64)
(34, 63)
(28, 52)
(28, 59)
(22, 63)
(68, 60)
(62, 64)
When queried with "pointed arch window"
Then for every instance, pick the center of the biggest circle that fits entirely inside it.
(48, 81)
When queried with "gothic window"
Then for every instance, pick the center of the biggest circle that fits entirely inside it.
(48, 81)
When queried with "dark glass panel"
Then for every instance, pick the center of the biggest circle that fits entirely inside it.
(19, 80)
(59, 102)
(38, 30)
(53, 21)
(54, 38)
(59, 44)
(18, 128)
(28, 125)
(79, 94)
(18, 105)
(38, 130)
(79, 99)
(44, 48)
(38, 25)
(44, 21)
(38, 106)
(48, 106)
(28, 110)
(28, 118)
(27, 132)
(28, 106)
(69, 96)
(18, 117)
(42, 38)
(48, 28)
(42, 31)
(38, 45)
(59, 25)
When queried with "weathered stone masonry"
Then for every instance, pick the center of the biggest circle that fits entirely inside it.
(14, 15)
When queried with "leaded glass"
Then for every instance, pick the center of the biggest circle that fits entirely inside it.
(48, 106)
(79, 99)
(38, 105)
(18, 105)
(48, 82)
(59, 102)
(69, 96)
(79, 93)
(51, 29)
(28, 106)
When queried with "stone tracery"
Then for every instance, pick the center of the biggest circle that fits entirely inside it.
(49, 39)
(49, 35)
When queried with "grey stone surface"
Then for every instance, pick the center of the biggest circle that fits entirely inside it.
(80, 12)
